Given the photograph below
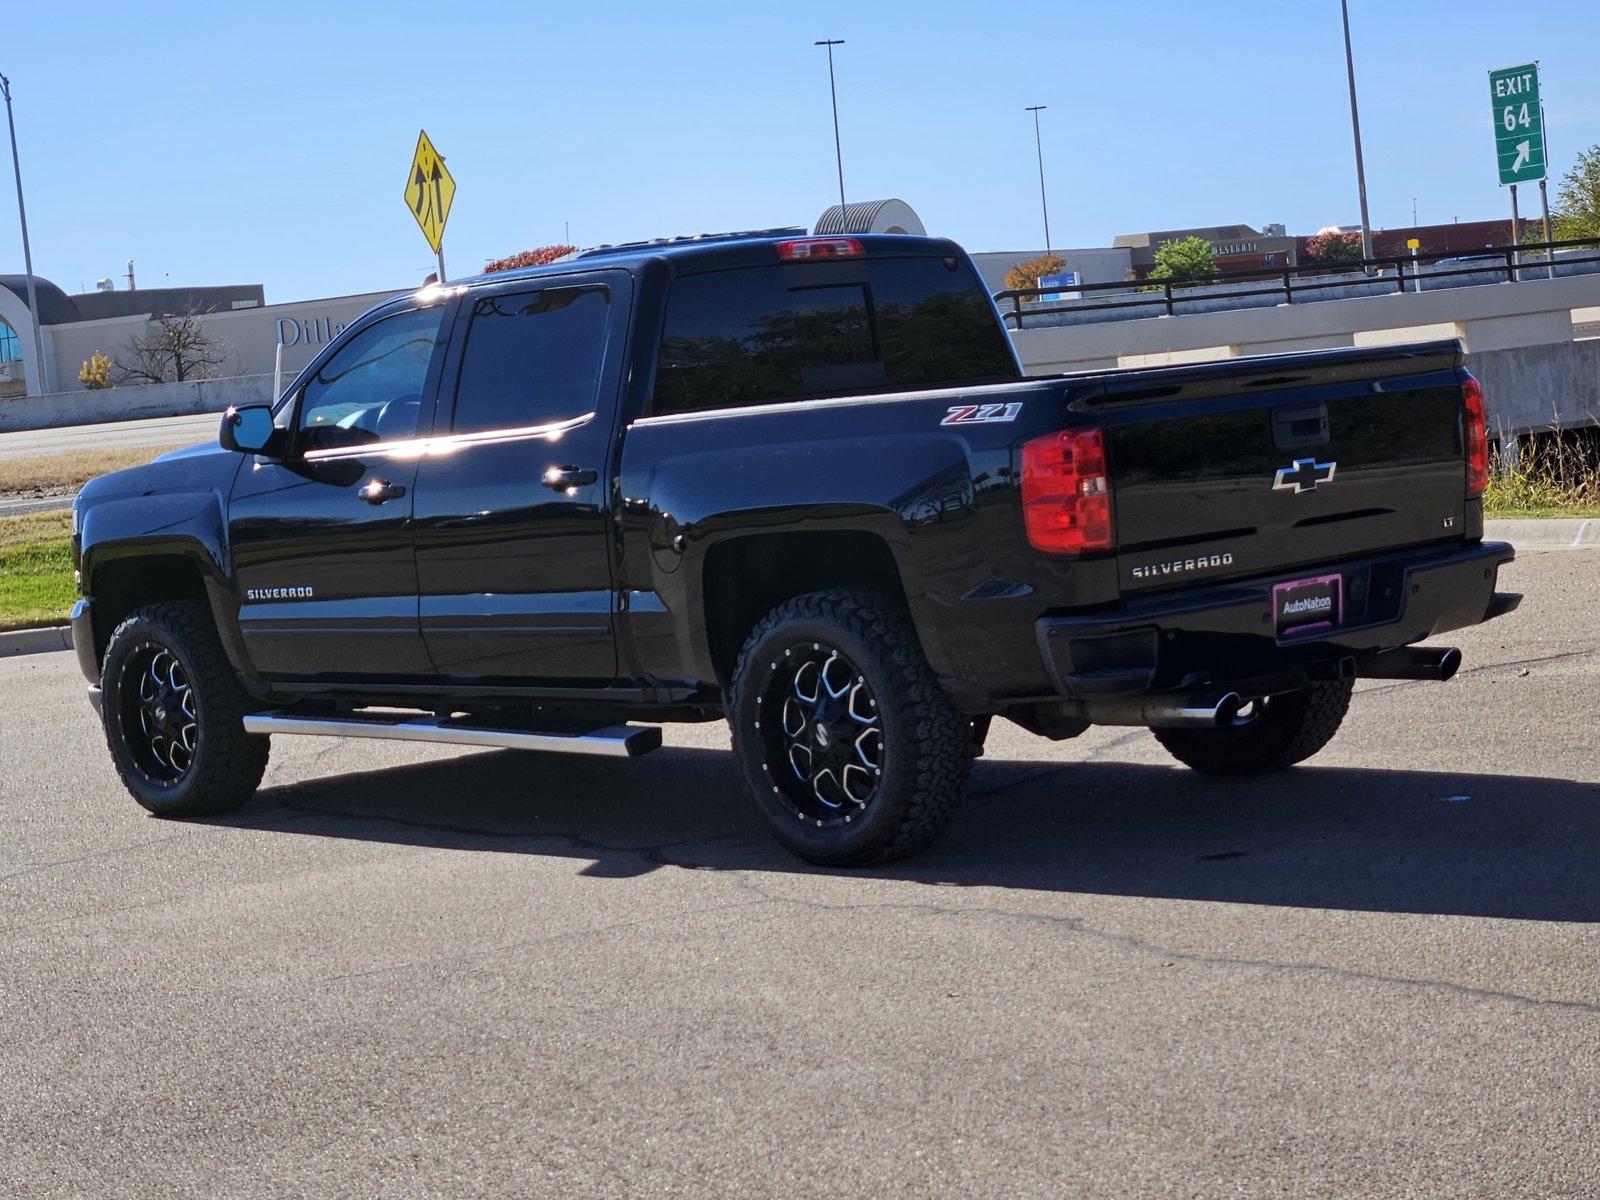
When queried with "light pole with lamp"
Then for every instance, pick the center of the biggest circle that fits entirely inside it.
(27, 252)
(1038, 146)
(833, 91)
(1355, 129)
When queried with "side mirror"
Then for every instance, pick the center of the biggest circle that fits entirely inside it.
(248, 429)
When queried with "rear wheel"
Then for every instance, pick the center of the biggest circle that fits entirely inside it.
(853, 752)
(173, 713)
(1268, 735)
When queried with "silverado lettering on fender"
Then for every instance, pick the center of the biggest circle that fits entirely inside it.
(799, 483)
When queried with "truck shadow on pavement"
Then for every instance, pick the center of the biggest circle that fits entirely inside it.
(1316, 837)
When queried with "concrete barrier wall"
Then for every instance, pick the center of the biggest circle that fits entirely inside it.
(1550, 378)
(133, 403)
(1533, 388)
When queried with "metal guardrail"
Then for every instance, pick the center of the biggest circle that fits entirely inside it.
(1165, 294)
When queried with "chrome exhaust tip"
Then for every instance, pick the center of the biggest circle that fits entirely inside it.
(1433, 663)
(1194, 711)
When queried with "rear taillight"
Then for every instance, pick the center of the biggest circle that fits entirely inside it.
(1477, 427)
(1066, 497)
(809, 249)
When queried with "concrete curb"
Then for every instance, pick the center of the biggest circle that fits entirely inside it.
(35, 641)
(1546, 533)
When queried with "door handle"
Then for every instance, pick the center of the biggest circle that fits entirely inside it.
(379, 490)
(562, 478)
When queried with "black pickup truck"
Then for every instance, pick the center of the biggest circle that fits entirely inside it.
(797, 482)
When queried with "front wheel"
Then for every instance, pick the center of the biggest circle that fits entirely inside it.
(852, 750)
(1270, 734)
(173, 713)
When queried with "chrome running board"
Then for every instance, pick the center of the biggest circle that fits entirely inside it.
(612, 741)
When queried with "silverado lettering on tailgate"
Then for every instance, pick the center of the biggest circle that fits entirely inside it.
(1182, 566)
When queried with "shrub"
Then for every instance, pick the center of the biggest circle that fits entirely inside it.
(1546, 474)
(96, 372)
(1183, 261)
(1333, 250)
(1026, 274)
(527, 258)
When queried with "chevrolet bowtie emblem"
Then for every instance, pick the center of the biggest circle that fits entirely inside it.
(1304, 475)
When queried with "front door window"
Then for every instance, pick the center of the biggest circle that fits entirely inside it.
(371, 390)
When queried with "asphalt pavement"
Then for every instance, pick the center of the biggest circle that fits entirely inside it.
(407, 971)
(110, 435)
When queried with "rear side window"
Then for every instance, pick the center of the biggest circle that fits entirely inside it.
(532, 358)
(762, 334)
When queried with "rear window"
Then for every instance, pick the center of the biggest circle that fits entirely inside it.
(762, 334)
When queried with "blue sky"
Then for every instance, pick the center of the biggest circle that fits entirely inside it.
(246, 141)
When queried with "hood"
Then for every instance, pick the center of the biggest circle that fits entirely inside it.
(206, 467)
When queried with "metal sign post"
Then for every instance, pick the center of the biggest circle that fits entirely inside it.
(1544, 205)
(1516, 234)
(1549, 255)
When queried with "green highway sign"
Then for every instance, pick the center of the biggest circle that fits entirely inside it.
(1518, 123)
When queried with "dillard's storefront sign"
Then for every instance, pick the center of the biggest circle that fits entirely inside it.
(314, 331)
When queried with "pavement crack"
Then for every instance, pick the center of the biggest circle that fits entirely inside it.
(112, 852)
(1494, 666)
(474, 956)
(1149, 949)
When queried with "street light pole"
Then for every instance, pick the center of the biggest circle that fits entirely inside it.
(1355, 129)
(1038, 146)
(833, 91)
(27, 253)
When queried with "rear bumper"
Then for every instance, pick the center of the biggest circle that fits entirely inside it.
(1223, 635)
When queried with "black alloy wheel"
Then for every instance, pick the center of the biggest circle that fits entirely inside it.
(823, 736)
(173, 711)
(850, 749)
(156, 707)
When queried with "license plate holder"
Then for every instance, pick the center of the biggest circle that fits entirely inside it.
(1306, 607)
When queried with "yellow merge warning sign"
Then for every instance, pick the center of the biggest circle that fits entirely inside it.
(429, 190)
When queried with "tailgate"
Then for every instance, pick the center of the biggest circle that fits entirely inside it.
(1255, 466)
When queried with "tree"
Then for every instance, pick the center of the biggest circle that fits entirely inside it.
(172, 348)
(528, 258)
(1333, 250)
(1183, 261)
(95, 372)
(1577, 210)
(1026, 274)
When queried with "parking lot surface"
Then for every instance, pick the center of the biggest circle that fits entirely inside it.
(415, 972)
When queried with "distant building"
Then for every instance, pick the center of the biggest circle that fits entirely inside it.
(58, 310)
(255, 337)
(1458, 237)
(1237, 247)
(1096, 264)
(168, 302)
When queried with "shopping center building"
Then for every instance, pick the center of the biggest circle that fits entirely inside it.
(255, 337)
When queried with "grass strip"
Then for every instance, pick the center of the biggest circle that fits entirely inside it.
(36, 585)
(68, 472)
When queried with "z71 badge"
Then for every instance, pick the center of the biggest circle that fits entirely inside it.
(981, 414)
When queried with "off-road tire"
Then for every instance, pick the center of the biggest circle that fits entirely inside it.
(926, 744)
(227, 764)
(1290, 729)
